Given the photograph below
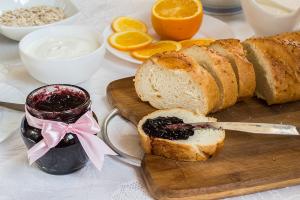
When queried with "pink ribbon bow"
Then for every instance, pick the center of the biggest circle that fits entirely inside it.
(53, 132)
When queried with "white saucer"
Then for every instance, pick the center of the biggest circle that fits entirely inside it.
(210, 28)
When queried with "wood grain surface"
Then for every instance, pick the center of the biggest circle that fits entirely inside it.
(248, 163)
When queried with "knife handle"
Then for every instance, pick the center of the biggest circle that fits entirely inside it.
(14, 106)
(262, 128)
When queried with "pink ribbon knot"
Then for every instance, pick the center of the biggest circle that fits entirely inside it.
(53, 132)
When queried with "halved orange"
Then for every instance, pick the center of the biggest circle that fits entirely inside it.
(125, 23)
(200, 42)
(154, 48)
(177, 19)
(129, 40)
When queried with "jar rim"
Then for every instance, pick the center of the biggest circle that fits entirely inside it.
(31, 94)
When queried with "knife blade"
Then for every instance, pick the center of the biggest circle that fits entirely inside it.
(260, 128)
(14, 106)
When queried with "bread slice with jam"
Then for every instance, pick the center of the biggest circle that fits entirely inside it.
(179, 145)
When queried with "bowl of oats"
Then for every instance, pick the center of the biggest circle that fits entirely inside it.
(18, 18)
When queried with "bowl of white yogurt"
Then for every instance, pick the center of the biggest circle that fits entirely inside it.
(270, 17)
(62, 54)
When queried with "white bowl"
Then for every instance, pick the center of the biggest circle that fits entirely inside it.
(17, 32)
(62, 70)
(265, 23)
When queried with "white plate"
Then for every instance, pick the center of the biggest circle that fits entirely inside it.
(211, 28)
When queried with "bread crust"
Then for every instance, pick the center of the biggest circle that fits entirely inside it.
(291, 41)
(172, 149)
(179, 61)
(243, 69)
(282, 70)
(222, 72)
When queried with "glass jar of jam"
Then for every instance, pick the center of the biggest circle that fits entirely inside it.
(63, 103)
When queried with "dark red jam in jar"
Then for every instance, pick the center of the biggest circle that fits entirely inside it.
(63, 103)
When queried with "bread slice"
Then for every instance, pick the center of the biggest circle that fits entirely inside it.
(220, 69)
(202, 145)
(174, 80)
(277, 70)
(233, 50)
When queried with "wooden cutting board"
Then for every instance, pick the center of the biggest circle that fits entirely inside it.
(248, 163)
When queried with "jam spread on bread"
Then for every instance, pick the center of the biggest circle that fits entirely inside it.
(171, 128)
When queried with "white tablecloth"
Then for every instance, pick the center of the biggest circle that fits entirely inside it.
(117, 180)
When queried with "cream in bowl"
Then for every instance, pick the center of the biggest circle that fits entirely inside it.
(270, 17)
(62, 54)
(61, 47)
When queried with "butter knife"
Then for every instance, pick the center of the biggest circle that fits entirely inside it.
(261, 128)
(14, 106)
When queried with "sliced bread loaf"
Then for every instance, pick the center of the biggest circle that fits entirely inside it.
(220, 69)
(174, 80)
(233, 50)
(200, 146)
(277, 70)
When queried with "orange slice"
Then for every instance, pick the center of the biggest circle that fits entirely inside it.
(129, 40)
(200, 42)
(154, 48)
(177, 19)
(124, 23)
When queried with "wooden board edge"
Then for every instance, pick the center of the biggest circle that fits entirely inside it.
(158, 194)
(108, 94)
